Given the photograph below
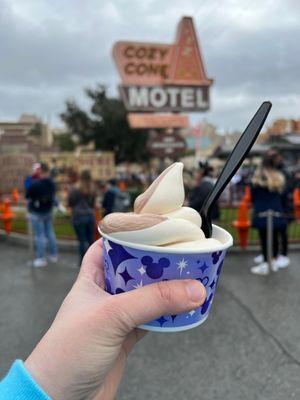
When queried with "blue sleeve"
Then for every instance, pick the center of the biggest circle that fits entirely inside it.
(18, 385)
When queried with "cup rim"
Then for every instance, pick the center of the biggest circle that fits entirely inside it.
(159, 249)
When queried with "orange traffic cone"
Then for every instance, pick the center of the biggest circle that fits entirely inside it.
(7, 216)
(247, 195)
(296, 198)
(242, 224)
(15, 195)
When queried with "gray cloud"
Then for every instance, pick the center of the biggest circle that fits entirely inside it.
(52, 50)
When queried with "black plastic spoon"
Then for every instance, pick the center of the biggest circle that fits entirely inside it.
(233, 162)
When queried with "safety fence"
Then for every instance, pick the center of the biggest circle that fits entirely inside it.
(229, 214)
(14, 219)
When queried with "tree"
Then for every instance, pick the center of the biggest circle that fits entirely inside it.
(106, 125)
(65, 142)
(36, 130)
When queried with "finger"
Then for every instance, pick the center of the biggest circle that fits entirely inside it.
(150, 302)
(92, 264)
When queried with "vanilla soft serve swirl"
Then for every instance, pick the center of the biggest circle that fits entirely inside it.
(159, 218)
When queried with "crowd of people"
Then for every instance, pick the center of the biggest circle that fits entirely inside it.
(272, 186)
(82, 201)
(271, 190)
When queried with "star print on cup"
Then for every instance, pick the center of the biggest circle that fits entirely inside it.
(203, 267)
(182, 264)
(126, 276)
(117, 254)
(161, 320)
(155, 270)
(138, 285)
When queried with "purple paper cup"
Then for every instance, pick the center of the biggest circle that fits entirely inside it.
(128, 266)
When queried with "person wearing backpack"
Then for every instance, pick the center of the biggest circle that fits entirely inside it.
(41, 200)
(114, 199)
(82, 200)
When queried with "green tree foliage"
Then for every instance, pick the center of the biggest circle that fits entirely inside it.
(106, 125)
(36, 130)
(65, 142)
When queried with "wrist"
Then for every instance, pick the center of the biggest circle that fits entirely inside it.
(39, 369)
(20, 384)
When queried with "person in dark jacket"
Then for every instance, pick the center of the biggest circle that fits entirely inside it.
(283, 260)
(41, 199)
(205, 184)
(267, 187)
(82, 203)
(114, 199)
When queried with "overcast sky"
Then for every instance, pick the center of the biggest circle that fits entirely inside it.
(51, 49)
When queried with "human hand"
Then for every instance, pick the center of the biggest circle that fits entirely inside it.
(83, 354)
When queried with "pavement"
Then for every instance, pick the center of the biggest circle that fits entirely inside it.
(249, 348)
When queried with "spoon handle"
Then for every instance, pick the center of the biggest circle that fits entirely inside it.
(238, 154)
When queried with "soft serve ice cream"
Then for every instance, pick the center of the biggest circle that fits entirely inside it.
(159, 217)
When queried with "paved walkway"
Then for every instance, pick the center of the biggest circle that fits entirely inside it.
(248, 349)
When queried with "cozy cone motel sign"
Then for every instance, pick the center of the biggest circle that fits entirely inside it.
(163, 77)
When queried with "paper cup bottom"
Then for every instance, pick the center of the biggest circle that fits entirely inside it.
(150, 328)
(128, 267)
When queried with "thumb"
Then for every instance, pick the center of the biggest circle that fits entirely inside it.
(150, 302)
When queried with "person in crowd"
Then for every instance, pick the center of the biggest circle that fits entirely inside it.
(54, 171)
(41, 198)
(35, 175)
(282, 260)
(109, 196)
(205, 183)
(82, 203)
(84, 352)
(114, 199)
(268, 184)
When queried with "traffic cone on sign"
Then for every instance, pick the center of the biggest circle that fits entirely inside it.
(7, 216)
(242, 224)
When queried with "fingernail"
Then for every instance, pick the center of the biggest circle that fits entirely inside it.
(195, 291)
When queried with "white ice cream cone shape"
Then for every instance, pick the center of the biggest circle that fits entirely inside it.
(159, 217)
